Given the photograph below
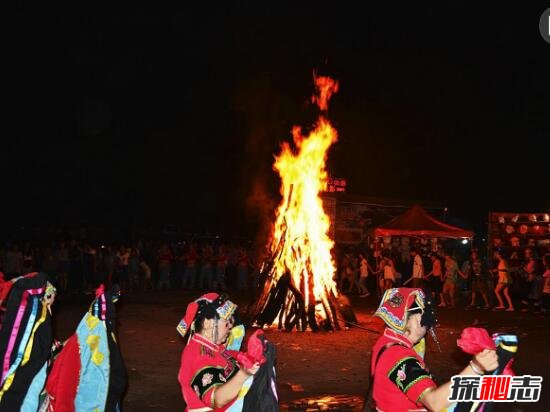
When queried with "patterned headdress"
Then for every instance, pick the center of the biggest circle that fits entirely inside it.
(207, 306)
(397, 304)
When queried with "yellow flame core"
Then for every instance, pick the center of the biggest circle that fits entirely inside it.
(301, 226)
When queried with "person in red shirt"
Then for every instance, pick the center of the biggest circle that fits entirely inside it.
(221, 265)
(210, 376)
(400, 379)
(165, 258)
(190, 272)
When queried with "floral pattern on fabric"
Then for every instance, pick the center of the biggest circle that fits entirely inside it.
(407, 372)
(207, 378)
(401, 376)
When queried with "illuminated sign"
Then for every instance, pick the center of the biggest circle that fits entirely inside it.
(336, 184)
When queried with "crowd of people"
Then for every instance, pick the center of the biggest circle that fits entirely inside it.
(495, 282)
(498, 282)
(76, 266)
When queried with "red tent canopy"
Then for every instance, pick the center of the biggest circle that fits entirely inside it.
(417, 222)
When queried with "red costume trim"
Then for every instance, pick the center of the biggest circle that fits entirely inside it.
(62, 382)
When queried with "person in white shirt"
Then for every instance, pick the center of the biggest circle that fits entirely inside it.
(364, 269)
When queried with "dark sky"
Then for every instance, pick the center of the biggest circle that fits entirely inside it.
(173, 115)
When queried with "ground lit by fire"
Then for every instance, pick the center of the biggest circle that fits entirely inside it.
(309, 364)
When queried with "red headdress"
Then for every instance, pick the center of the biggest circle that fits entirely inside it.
(396, 305)
(209, 305)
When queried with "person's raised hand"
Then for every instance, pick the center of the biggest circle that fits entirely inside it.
(252, 370)
(487, 359)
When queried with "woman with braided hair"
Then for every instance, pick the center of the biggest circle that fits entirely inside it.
(210, 375)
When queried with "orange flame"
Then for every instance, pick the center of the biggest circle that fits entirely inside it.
(302, 226)
(326, 87)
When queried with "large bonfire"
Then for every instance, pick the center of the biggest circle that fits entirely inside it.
(299, 290)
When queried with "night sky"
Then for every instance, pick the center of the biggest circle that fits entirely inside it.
(136, 115)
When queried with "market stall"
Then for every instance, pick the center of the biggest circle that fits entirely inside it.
(420, 226)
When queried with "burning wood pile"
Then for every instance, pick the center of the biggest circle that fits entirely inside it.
(297, 280)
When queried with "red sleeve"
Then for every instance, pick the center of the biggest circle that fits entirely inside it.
(410, 375)
(5, 288)
(208, 397)
(185, 376)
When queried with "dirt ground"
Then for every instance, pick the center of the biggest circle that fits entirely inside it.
(310, 365)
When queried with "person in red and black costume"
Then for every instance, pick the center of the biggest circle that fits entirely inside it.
(400, 379)
(210, 375)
